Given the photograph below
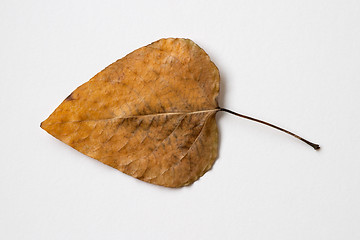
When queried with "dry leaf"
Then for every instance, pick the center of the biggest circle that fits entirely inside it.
(150, 114)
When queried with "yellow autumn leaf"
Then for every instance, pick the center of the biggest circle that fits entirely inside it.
(150, 114)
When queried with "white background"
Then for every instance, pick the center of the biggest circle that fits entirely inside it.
(293, 63)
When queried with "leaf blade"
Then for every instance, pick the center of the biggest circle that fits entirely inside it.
(150, 115)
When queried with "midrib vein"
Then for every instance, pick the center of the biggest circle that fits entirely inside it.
(146, 115)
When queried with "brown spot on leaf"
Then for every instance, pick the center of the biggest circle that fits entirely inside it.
(70, 97)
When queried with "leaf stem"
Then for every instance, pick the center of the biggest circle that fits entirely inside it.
(315, 146)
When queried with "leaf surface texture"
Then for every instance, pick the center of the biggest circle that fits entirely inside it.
(150, 114)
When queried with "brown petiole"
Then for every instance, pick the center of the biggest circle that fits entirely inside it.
(315, 146)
